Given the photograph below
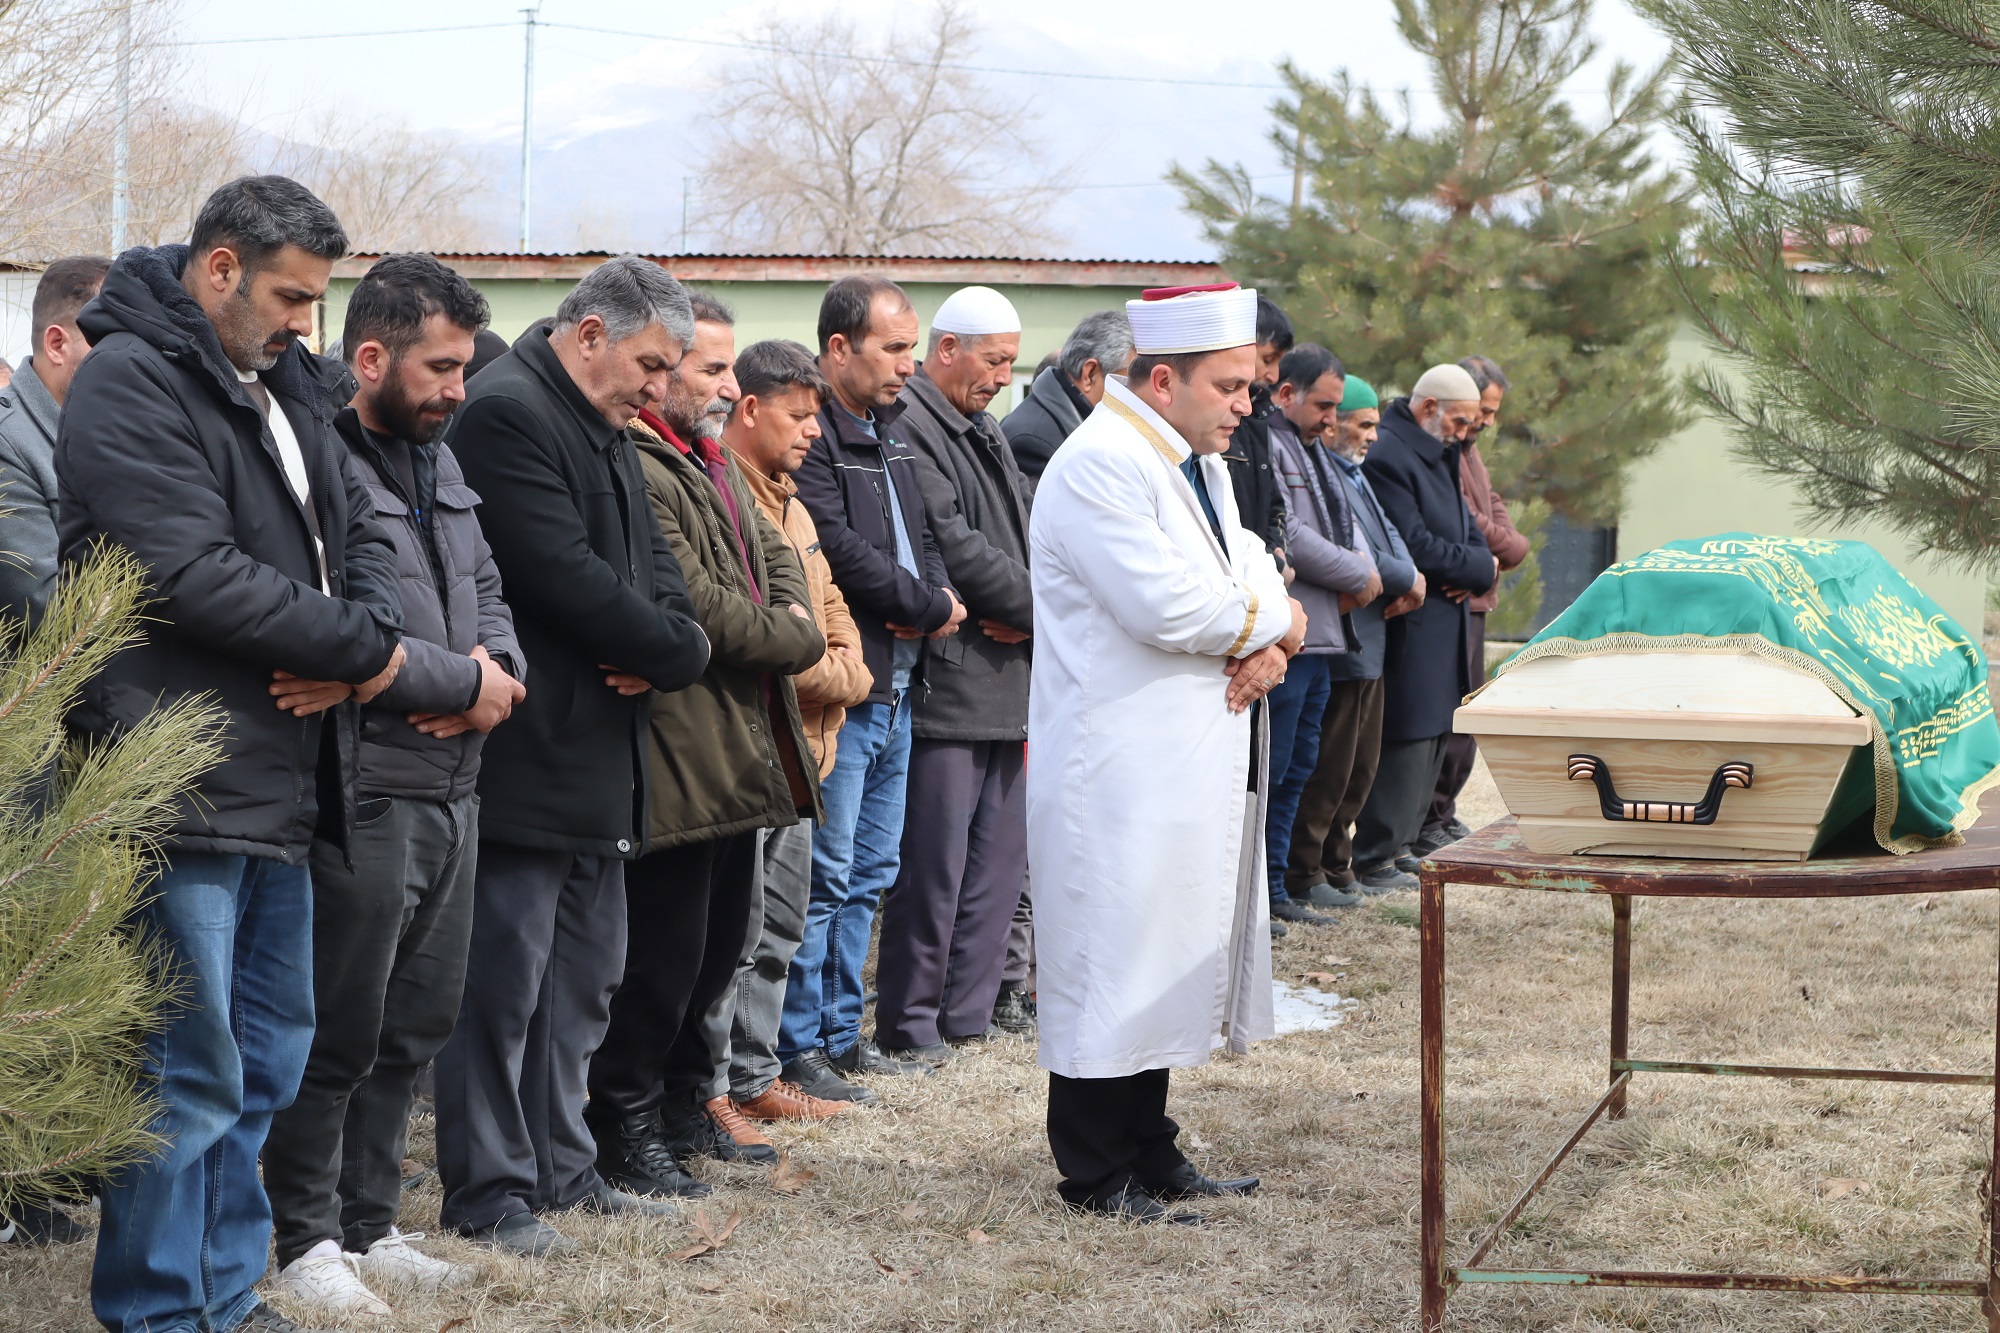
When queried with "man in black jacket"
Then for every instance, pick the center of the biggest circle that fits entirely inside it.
(965, 839)
(1413, 470)
(603, 616)
(859, 483)
(391, 921)
(199, 436)
(1259, 497)
(1063, 395)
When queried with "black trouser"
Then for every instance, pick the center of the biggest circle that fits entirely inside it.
(1459, 751)
(1393, 814)
(1105, 1132)
(548, 929)
(946, 919)
(689, 912)
(389, 949)
(1350, 746)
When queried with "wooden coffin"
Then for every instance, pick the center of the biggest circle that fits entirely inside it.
(1707, 755)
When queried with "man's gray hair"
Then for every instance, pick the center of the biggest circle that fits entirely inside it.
(1485, 372)
(1104, 337)
(629, 294)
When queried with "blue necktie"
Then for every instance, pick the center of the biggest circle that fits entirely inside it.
(1191, 469)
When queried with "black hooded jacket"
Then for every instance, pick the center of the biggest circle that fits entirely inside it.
(162, 451)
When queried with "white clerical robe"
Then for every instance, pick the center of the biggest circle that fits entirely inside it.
(1145, 844)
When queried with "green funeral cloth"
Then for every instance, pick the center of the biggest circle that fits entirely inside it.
(1841, 613)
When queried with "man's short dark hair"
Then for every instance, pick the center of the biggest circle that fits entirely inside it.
(1485, 373)
(778, 364)
(1306, 364)
(66, 288)
(1181, 363)
(1273, 328)
(710, 309)
(257, 216)
(395, 297)
(849, 304)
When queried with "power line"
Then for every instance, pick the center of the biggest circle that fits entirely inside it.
(766, 47)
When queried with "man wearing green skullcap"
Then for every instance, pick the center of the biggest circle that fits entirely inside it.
(1318, 867)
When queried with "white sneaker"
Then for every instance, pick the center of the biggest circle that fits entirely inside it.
(393, 1261)
(330, 1280)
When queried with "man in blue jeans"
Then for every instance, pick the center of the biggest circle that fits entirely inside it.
(199, 435)
(859, 483)
(1334, 573)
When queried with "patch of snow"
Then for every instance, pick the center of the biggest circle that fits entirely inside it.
(1307, 1008)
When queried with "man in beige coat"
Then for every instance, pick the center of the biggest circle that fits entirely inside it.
(768, 432)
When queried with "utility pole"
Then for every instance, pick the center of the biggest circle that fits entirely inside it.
(527, 122)
(687, 195)
(121, 144)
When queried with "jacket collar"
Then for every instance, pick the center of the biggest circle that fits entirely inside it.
(771, 493)
(1426, 446)
(1059, 398)
(540, 358)
(35, 399)
(924, 390)
(847, 430)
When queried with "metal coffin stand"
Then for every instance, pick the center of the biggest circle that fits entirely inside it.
(1496, 857)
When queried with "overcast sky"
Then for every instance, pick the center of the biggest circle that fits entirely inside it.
(618, 118)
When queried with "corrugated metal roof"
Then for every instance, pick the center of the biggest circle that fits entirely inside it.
(1004, 269)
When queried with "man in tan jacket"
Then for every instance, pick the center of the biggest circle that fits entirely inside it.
(768, 432)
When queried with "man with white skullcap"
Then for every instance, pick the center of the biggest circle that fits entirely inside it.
(965, 833)
(1160, 621)
(1414, 471)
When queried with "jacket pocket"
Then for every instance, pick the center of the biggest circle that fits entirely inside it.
(457, 527)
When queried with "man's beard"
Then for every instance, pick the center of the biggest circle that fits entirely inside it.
(708, 426)
(244, 340)
(417, 422)
(1434, 428)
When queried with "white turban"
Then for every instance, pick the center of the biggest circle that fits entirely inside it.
(1447, 383)
(1170, 321)
(974, 312)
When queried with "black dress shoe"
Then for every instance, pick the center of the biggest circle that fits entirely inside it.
(933, 1054)
(1131, 1203)
(864, 1057)
(633, 1156)
(1184, 1182)
(813, 1074)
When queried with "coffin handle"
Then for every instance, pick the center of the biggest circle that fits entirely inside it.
(1735, 773)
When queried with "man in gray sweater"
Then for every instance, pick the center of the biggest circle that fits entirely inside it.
(29, 407)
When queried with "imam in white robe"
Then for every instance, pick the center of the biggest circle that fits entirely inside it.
(1145, 842)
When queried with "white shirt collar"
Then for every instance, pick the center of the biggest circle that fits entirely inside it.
(1146, 413)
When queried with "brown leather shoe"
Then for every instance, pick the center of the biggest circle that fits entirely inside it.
(783, 1101)
(737, 1139)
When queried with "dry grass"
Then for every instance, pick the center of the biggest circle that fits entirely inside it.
(1706, 1173)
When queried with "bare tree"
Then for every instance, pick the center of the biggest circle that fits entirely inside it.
(830, 144)
(395, 188)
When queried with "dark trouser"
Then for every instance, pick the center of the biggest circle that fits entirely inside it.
(1393, 814)
(1021, 941)
(389, 948)
(548, 931)
(1350, 745)
(742, 1025)
(946, 918)
(1105, 1132)
(1459, 751)
(1297, 712)
(689, 910)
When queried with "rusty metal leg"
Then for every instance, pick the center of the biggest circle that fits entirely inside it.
(1991, 1301)
(1621, 991)
(1431, 1111)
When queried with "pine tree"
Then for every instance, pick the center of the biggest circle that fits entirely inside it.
(1844, 271)
(1514, 227)
(79, 988)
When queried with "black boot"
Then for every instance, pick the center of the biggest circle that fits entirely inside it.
(633, 1155)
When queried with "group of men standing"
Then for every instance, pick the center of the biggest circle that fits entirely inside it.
(641, 668)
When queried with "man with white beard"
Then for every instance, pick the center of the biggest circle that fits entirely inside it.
(1161, 621)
